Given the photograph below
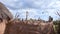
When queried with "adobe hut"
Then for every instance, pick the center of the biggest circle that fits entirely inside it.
(4, 12)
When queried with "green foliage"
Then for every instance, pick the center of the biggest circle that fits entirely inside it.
(56, 25)
(56, 22)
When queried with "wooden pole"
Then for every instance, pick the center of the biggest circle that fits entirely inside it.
(26, 15)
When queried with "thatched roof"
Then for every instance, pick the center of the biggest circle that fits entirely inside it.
(4, 12)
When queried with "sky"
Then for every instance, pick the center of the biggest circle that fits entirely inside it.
(35, 8)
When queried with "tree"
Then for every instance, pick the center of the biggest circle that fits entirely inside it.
(58, 31)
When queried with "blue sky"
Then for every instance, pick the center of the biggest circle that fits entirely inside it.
(36, 8)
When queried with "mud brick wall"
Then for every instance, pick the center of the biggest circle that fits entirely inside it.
(22, 28)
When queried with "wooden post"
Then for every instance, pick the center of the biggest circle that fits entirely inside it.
(26, 15)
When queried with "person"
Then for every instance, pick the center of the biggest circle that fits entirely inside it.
(50, 19)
